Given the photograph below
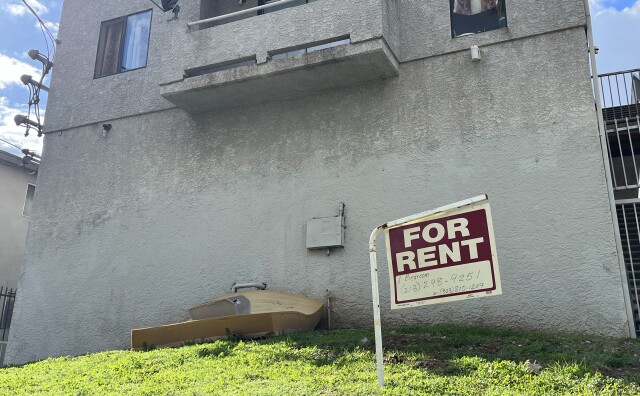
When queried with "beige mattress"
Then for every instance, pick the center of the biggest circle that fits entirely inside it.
(271, 312)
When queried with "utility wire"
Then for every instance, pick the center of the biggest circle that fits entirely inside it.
(34, 92)
(10, 144)
(23, 164)
(18, 166)
(48, 36)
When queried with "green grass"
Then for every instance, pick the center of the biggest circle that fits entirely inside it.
(440, 360)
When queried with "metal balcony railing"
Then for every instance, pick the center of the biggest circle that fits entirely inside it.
(620, 96)
(244, 12)
(628, 212)
(7, 298)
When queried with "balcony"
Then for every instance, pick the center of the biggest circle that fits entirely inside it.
(620, 98)
(298, 75)
(294, 51)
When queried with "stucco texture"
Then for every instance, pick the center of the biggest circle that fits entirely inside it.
(413, 29)
(13, 225)
(169, 209)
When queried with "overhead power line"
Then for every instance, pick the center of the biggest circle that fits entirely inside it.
(50, 41)
(47, 63)
(10, 144)
(30, 157)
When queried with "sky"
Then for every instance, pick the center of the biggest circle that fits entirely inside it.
(616, 25)
(19, 32)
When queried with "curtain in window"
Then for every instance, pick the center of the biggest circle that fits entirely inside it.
(472, 7)
(477, 16)
(136, 41)
(108, 59)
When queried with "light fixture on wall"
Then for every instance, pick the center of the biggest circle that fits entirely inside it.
(106, 128)
(476, 56)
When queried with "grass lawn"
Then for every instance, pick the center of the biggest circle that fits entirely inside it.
(440, 360)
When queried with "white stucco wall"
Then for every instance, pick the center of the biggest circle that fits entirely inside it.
(13, 225)
(170, 209)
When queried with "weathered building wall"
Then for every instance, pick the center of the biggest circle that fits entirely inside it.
(414, 29)
(170, 209)
(13, 225)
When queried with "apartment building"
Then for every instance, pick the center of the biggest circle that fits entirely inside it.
(188, 151)
(17, 189)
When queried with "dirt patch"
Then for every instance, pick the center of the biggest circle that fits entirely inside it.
(432, 364)
(484, 348)
(400, 341)
(622, 372)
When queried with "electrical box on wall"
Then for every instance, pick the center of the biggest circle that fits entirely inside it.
(327, 232)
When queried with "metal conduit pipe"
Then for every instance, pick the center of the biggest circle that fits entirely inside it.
(241, 12)
(259, 286)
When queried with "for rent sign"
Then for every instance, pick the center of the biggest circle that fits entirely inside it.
(448, 256)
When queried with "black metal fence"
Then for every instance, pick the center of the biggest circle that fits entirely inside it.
(620, 96)
(629, 222)
(7, 299)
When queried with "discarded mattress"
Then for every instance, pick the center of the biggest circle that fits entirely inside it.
(249, 314)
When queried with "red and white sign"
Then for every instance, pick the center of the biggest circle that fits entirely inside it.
(445, 257)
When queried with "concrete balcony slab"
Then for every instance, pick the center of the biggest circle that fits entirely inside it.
(297, 76)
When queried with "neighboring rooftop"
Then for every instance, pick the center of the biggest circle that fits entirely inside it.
(9, 159)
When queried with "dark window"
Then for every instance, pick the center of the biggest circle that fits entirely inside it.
(28, 200)
(477, 16)
(123, 44)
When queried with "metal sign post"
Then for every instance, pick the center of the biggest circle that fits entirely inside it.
(444, 254)
(377, 324)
